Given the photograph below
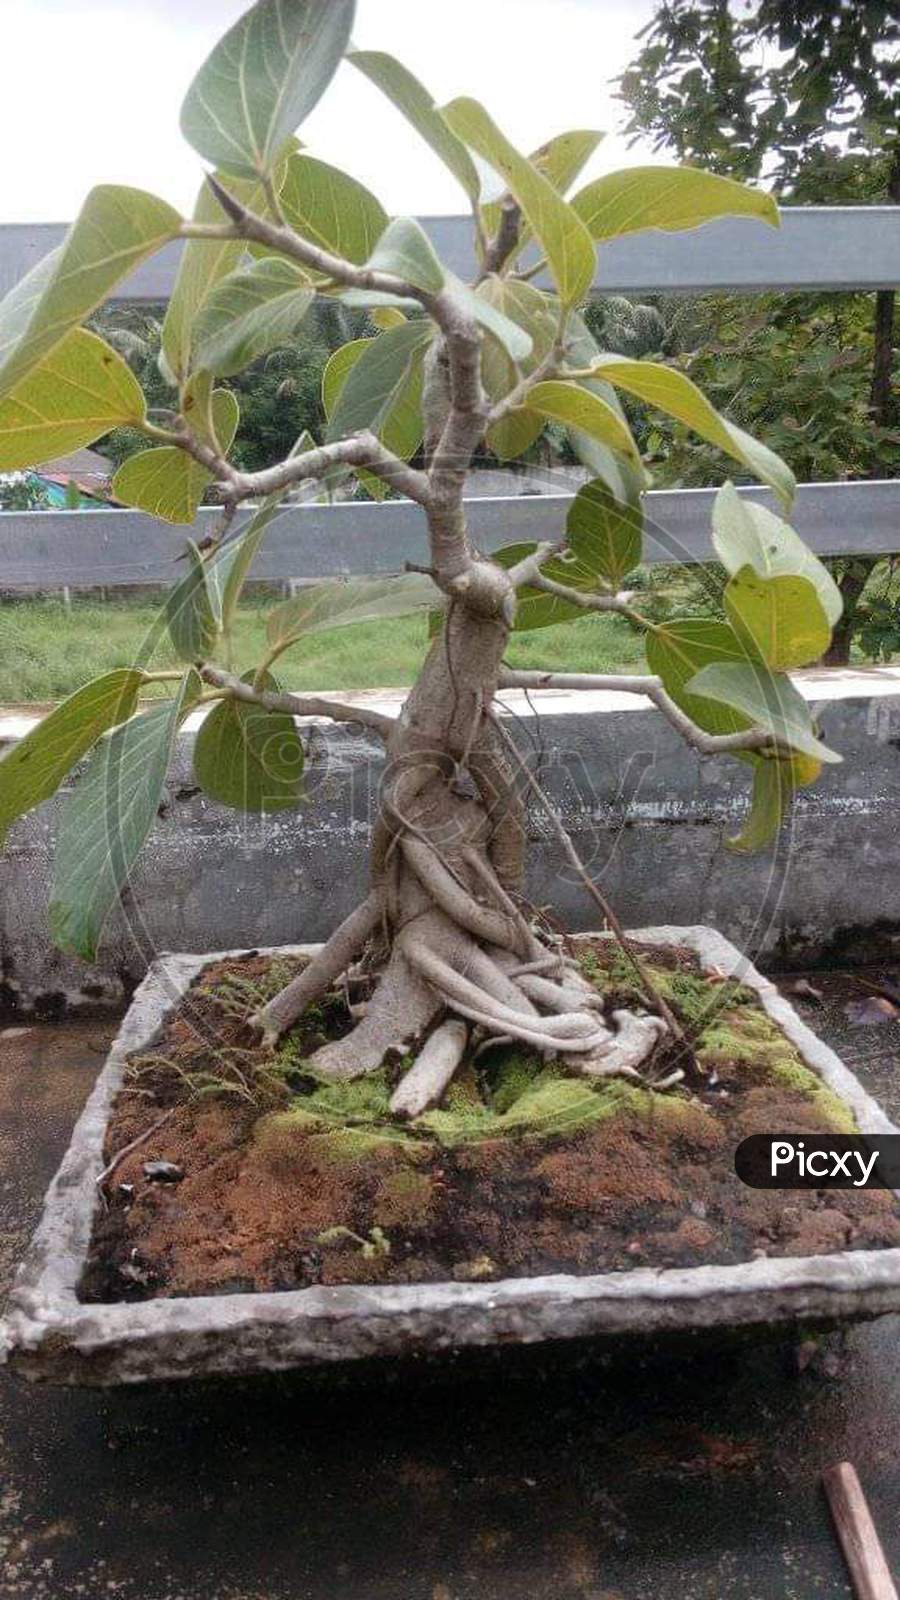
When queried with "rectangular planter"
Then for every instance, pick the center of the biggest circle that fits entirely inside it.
(49, 1334)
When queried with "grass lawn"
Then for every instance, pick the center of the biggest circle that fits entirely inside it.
(46, 651)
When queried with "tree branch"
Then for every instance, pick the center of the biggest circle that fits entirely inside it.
(298, 705)
(707, 744)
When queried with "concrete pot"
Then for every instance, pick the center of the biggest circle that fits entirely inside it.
(49, 1334)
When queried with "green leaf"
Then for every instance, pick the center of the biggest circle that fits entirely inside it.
(338, 368)
(516, 340)
(330, 209)
(781, 618)
(678, 651)
(530, 310)
(251, 312)
(204, 263)
(193, 609)
(107, 820)
(665, 197)
(560, 160)
(80, 390)
(674, 393)
(745, 534)
(33, 769)
(340, 604)
(406, 250)
(229, 566)
(579, 408)
(770, 702)
(606, 538)
(115, 231)
(417, 105)
(250, 758)
(262, 80)
(563, 236)
(381, 391)
(213, 414)
(772, 794)
(163, 481)
(167, 482)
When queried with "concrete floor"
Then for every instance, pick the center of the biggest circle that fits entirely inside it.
(637, 1481)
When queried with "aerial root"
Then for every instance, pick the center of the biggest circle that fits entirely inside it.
(455, 900)
(340, 951)
(423, 1085)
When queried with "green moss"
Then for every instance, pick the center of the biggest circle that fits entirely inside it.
(512, 1073)
(756, 1041)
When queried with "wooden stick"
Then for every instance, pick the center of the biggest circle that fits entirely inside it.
(856, 1531)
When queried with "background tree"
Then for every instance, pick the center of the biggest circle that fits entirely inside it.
(807, 97)
(452, 953)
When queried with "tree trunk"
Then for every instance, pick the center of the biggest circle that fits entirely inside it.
(851, 582)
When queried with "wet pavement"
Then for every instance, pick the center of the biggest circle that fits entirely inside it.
(636, 1480)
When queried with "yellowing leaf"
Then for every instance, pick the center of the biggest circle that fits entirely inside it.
(674, 393)
(746, 534)
(578, 408)
(563, 236)
(78, 392)
(665, 197)
(117, 228)
(781, 617)
(163, 481)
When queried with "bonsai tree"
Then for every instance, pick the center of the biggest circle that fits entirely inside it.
(458, 955)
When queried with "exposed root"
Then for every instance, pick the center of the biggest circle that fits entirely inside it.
(332, 960)
(636, 1039)
(453, 898)
(398, 1013)
(423, 1085)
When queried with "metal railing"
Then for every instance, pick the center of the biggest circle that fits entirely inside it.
(816, 248)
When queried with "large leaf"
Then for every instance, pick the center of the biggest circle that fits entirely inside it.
(330, 209)
(605, 538)
(563, 236)
(677, 651)
(193, 609)
(33, 769)
(107, 820)
(80, 390)
(745, 534)
(251, 312)
(770, 702)
(516, 340)
(675, 393)
(417, 105)
(780, 617)
(531, 311)
(405, 250)
(578, 408)
(250, 758)
(665, 197)
(263, 79)
(340, 604)
(376, 390)
(167, 482)
(116, 229)
(204, 263)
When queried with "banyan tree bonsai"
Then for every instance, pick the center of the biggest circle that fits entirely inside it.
(458, 956)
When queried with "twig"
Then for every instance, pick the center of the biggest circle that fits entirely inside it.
(858, 1536)
(647, 984)
(114, 1165)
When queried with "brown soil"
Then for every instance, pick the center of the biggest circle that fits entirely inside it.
(272, 1201)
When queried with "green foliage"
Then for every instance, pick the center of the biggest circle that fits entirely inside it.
(81, 389)
(103, 828)
(263, 79)
(248, 757)
(670, 198)
(249, 313)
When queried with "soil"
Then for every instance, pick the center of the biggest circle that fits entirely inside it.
(280, 1182)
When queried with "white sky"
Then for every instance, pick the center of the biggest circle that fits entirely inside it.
(92, 91)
